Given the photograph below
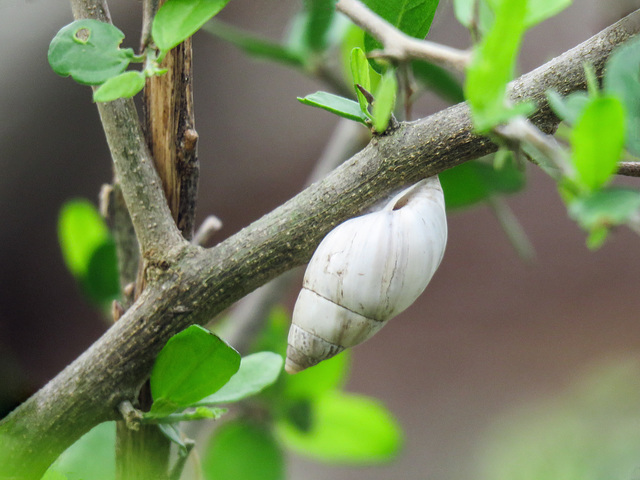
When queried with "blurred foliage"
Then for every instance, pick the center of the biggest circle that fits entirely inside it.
(89, 251)
(91, 457)
(590, 432)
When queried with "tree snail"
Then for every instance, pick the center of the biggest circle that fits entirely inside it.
(365, 272)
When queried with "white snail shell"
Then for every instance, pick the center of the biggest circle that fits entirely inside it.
(366, 271)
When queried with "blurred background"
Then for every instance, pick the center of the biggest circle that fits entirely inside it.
(492, 335)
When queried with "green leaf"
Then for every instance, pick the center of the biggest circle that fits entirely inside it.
(125, 85)
(597, 140)
(257, 372)
(102, 280)
(537, 10)
(81, 231)
(241, 450)
(177, 20)
(318, 18)
(474, 181)
(335, 104)
(385, 100)
(352, 38)
(54, 475)
(91, 457)
(409, 16)
(193, 364)
(599, 211)
(464, 11)
(172, 432)
(253, 45)
(89, 51)
(439, 80)
(360, 73)
(492, 67)
(568, 108)
(540, 10)
(347, 429)
(313, 382)
(273, 337)
(622, 79)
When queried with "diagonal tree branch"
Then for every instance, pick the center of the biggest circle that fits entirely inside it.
(191, 284)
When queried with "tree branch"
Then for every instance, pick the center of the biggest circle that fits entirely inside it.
(399, 46)
(134, 171)
(191, 284)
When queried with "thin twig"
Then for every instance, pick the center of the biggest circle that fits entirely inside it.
(513, 229)
(629, 169)
(521, 130)
(397, 45)
(149, 9)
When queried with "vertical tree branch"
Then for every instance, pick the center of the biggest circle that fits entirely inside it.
(171, 135)
(134, 171)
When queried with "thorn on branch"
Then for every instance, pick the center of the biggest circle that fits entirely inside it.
(117, 310)
(207, 230)
(366, 93)
(105, 200)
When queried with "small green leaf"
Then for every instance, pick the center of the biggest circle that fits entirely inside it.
(568, 108)
(193, 364)
(125, 85)
(353, 37)
(91, 457)
(472, 182)
(335, 104)
(409, 16)
(360, 73)
(89, 51)
(318, 18)
(102, 281)
(241, 450)
(312, 382)
(81, 231)
(597, 140)
(257, 372)
(621, 78)
(177, 20)
(273, 337)
(492, 67)
(346, 429)
(465, 12)
(540, 10)
(385, 100)
(54, 475)
(440, 81)
(172, 432)
(599, 211)
(254, 46)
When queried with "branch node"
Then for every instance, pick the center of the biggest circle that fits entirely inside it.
(132, 417)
